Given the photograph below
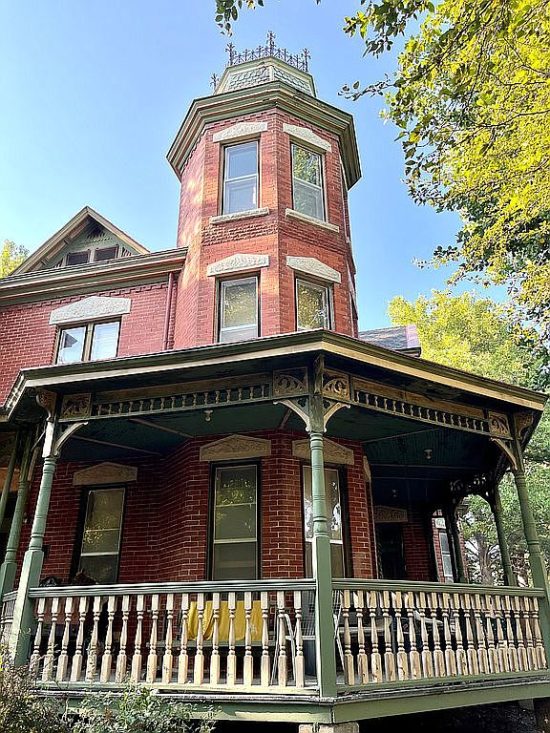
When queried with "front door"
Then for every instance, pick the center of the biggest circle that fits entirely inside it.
(391, 553)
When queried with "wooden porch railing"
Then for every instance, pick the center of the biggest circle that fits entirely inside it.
(393, 631)
(6, 616)
(228, 635)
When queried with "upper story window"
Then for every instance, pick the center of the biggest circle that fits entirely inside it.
(307, 182)
(99, 254)
(240, 178)
(78, 258)
(88, 342)
(238, 309)
(313, 305)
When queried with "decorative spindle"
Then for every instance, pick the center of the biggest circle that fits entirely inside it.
(122, 659)
(107, 659)
(265, 664)
(167, 659)
(63, 661)
(76, 668)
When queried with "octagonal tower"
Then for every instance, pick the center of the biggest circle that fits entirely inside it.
(265, 168)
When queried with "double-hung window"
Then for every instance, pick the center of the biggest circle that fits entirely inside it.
(334, 512)
(240, 178)
(446, 560)
(88, 342)
(238, 309)
(235, 539)
(313, 305)
(307, 182)
(100, 548)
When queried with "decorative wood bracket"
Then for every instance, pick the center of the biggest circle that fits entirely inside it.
(508, 452)
(64, 436)
(302, 410)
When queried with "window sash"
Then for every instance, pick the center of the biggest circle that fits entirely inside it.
(115, 553)
(248, 182)
(219, 542)
(446, 557)
(334, 507)
(315, 190)
(242, 331)
(327, 304)
(90, 342)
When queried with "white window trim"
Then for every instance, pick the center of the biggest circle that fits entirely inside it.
(221, 286)
(292, 213)
(321, 187)
(225, 181)
(328, 294)
(249, 214)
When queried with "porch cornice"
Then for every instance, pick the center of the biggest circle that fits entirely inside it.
(262, 349)
(89, 278)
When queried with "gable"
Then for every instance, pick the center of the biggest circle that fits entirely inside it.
(89, 237)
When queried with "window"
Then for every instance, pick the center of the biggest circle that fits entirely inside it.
(77, 258)
(238, 309)
(240, 178)
(312, 305)
(307, 182)
(101, 537)
(105, 253)
(446, 560)
(88, 342)
(235, 543)
(334, 509)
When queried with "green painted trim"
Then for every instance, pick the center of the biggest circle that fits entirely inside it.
(445, 698)
(9, 476)
(206, 110)
(419, 586)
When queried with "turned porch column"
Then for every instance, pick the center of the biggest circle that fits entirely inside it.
(536, 559)
(322, 562)
(453, 533)
(9, 477)
(9, 567)
(496, 507)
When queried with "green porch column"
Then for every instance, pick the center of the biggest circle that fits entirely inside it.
(322, 563)
(496, 507)
(536, 559)
(453, 534)
(9, 477)
(9, 567)
(23, 617)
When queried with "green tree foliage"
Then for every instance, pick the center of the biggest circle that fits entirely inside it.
(471, 99)
(11, 256)
(475, 334)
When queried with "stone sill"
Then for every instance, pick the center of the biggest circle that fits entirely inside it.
(251, 213)
(293, 214)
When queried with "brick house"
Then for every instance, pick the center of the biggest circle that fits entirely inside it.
(214, 484)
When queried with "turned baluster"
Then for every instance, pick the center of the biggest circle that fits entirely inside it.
(389, 656)
(231, 656)
(152, 659)
(107, 660)
(265, 670)
(490, 634)
(502, 645)
(183, 661)
(76, 668)
(362, 659)
(281, 631)
(523, 662)
(198, 668)
(402, 659)
(439, 658)
(122, 659)
(35, 658)
(426, 655)
(299, 661)
(471, 644)
(539, 646)
(248, 662)
(137, 656)
(215, 656)
(47, 670)
(375, 658)
(482, 655)
(414, 655)
(450, 656)
(461, 659)
(349, 667)
(512, 644)
(167, 659)
(91, 666)
(63, 661)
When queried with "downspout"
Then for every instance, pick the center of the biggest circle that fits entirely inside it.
(168, 311)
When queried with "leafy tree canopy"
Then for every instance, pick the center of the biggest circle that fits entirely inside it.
(475, 334)
(11, 256)
(471, 99)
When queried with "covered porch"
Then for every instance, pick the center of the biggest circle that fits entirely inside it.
(339, 641)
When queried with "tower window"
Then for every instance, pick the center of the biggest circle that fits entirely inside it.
(313, 305)
(238, 309)
(240, 178)
(89, 342)
(307, 182)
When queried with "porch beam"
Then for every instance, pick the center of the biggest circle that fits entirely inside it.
(9, 566)
(536, 559)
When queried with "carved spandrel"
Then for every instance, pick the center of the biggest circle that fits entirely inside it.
(499, 426)
(76, 406)
(523, 421)
(46, 400)
(336, 385)
(290, 382)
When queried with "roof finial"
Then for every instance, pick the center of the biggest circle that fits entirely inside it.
(214, 79)
(306, 56)
(271, 43)
(230, 48)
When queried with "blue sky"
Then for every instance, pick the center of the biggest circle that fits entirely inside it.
(92, 94)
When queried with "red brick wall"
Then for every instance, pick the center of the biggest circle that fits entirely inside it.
(417, 540)
(28, 340)
(275, 234)
(165, 531)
